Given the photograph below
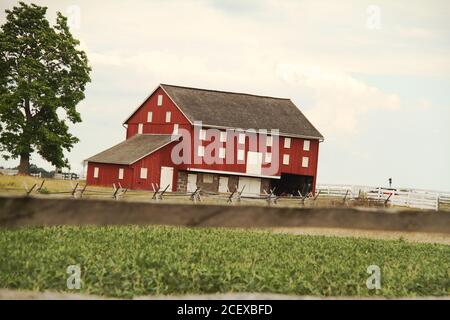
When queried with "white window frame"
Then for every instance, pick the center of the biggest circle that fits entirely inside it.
(149, 116)
(175, 128)
(287, 143)
(269, 141)
(201, 151)
(121, 171)
(268, 157)
(144, 173)
(202, 134)
(240, 155)
(306, 145)
(241, 138)
(222, 153)
(160, 100)
(305, 162)
(286, 159)
(96, 171)
(168, 116)
(140, 128)
(223, 136)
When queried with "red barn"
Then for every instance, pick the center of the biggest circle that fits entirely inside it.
(187, 137)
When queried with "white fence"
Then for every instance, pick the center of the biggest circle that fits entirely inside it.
(412, 198)
(9, 172)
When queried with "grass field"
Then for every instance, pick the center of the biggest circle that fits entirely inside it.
(15, 184)
(128, 261)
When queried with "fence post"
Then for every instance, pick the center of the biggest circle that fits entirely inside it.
(28, 192)
(155, 194)
(230, 198)
(162, 193)
(239, 194)
(387, 199)
(195, 196)
(115, 192)
(271, 198)
(317, 195)
(345, 197)
(40, 187)
(302, 197)
(74, 190)
(82, 191)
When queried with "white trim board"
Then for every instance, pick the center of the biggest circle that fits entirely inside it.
(231, 173)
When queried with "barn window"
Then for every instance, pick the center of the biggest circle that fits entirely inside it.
(160, 97)
(120, 173)
(222, 153)
(149, 116)
(143, 173)
(223, 136)
(202, 134)
(175, 128)
(96, 172)
(305, 162)
(285, 159)
(268, 157)
(287, 143)
(306, 145)
(240, 155)
(208, 178)
(241, 139)
(140, 128)
(269, 141)
(201, 151)
(168, 115)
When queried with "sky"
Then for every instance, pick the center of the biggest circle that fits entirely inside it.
(372, 76)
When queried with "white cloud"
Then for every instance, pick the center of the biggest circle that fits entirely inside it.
(339, 99)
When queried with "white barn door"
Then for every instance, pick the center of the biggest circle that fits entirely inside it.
(254, 162)
(223, 184)
(191, 182)
(166, 178)
(252, 186)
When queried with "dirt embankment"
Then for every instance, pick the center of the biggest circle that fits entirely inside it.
(21, 211)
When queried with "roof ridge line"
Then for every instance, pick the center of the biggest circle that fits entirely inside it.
(223, 91)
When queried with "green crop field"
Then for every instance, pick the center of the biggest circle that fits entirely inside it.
(126, 261)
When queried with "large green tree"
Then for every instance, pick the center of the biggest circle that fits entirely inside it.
(43, 76)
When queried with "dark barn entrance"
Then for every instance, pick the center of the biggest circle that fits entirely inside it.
(292, 183)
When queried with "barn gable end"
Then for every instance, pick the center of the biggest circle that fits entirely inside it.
(158, 121)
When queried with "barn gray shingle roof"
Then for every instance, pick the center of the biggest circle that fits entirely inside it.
(133, 149)
(241, 110)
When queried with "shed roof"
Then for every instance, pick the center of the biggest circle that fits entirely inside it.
(241, 110)
(133, 149)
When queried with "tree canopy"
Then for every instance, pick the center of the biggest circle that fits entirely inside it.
(43, 76)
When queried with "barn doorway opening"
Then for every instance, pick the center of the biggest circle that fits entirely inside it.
(290, 184)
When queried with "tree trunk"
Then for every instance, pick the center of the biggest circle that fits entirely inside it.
(24, 166)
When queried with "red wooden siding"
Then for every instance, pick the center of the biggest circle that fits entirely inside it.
(153, 163)
(296, 153)
(158, 124)
(109, 174)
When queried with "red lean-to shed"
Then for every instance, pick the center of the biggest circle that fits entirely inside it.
(227, 140)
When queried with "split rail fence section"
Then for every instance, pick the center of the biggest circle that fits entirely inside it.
(412, 198)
